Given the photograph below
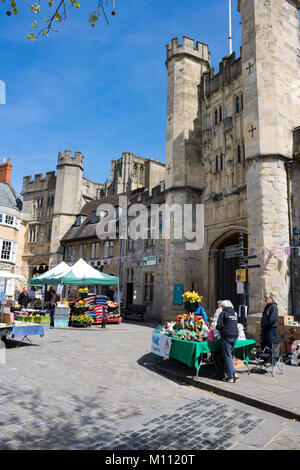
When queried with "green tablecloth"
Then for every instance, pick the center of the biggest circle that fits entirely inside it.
(189, 352)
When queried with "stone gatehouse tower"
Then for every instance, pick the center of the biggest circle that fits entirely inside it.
(230, 140)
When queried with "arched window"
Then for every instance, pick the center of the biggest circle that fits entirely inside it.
(242, 102)
(221, 161)
(237, 104)
(216, 116)
(217, 163)
(220, 114)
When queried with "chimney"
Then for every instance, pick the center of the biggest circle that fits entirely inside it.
(5, 171)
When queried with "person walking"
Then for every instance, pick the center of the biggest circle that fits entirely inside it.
(52, 305)
(227, 325)
(269, 321)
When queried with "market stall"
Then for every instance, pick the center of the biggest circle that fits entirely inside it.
(6, 276)
(84, 311)
(192, 340)
(24, 329)
(191, 352)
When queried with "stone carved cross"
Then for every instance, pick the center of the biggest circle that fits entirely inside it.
(252, 130)
(249, 67)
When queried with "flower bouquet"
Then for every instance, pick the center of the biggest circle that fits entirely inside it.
(191, 300)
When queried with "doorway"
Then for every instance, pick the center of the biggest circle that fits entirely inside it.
(129, 293)
(227, 262)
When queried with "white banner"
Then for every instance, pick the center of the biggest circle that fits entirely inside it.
(161, 345)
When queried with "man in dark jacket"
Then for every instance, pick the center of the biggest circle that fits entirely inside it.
(227, 325)
(23, 298)
(269, 321)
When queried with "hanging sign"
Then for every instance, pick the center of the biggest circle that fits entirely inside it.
(240, 275)
(240, 288)
(59, 289)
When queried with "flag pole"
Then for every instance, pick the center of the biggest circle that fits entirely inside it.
(230, 29)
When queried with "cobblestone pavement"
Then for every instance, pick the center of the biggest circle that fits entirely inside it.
(98, 390)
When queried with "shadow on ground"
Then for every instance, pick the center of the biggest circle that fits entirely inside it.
(81, 423)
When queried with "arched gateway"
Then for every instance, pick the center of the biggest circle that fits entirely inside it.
(224, 261)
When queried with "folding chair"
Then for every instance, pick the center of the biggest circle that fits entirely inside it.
(270, 360)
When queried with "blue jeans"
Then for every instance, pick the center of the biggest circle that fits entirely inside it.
(227, 345)
(267, 336)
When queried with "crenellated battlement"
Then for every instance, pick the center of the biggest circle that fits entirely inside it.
(67, 158)
(229, 68)
(39, 182)
(199, 51)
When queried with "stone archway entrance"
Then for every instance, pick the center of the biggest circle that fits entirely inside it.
(226, 262)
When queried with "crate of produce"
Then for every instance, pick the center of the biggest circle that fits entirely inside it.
(61, 323)
(42, 319)
(29, 319)
(20, 317)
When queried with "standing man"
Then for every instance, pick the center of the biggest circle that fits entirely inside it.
(228, 327)
(23, 298)
(269, 321)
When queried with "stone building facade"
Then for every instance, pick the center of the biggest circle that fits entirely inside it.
(52, 201)
(230, 138)
(12, 229)
(81, 240)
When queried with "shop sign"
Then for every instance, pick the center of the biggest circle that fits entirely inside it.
(161, 345)
(149, 261)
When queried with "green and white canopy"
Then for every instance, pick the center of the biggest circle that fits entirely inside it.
(82, 274)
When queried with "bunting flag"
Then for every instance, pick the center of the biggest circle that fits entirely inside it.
(260, 251)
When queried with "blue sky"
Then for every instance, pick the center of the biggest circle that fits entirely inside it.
(102, 90)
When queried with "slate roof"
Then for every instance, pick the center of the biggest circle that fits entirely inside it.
(87, 229)
(9, 198)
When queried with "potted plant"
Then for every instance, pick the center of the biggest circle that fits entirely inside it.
(81, 321)
(80, 307)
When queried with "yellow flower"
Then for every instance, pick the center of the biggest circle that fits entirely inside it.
(191, 297)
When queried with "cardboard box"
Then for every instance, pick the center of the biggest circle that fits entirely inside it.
(292, 330)
(284, 319)
(8, 318)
